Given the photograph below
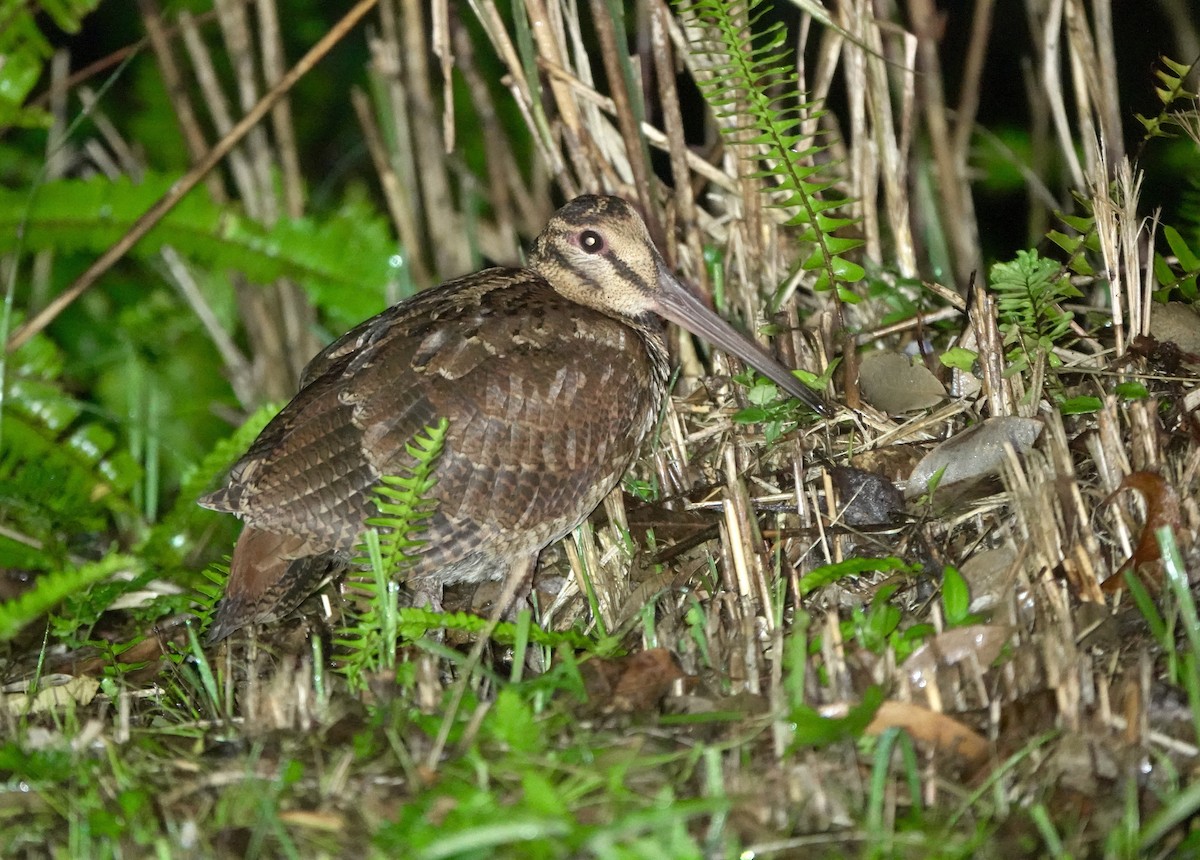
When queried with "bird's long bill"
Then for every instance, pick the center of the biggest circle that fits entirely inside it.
(677, 304)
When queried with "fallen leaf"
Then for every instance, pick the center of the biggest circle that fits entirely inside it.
(331, 822)
(637, 682)
(974, 454)
(892, 383)
(983, 642)
(1162, 509)
(989, 575)
(80, 689)
(945, 734)
(894, 462)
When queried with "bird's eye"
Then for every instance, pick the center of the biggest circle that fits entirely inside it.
(591, 241)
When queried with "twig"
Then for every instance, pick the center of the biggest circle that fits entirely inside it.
(188, 181)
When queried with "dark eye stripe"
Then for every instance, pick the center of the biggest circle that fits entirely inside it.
(628, 275)
(559, 256)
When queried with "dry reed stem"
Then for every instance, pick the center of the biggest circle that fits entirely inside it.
(273, 68)
(958, 211)
(218, 110)
(173, 80)
(1064, 542)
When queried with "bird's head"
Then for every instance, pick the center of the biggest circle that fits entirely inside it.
(596, 251)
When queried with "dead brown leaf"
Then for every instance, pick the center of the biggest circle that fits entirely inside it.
(629, 684)
(893, 384)
(946, 735)
(80, 689)
(1162, 509)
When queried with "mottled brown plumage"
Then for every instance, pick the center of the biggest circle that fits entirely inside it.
(550, 376)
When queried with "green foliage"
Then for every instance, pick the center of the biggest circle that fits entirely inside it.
(68, 488)
(24, 50)
(163, 550)
(1171, 76)
(643, 491)
(388, 544)
(956, 597)
(1028, 292)
(879, 627)
(956, 600)
(167, 540)
(63, 477)
(960, 358)
(755, 88)
(881, 830)
(1131, 390)
(1176, 629)
(53, 586)
(1078, 245)
(1177, 278)
(414, 623)
(1083, 405)
(873, 625)
(829, 573)
(1181, 277)
(344, 262)
(813, 729)
(777, 416)
(402, 500)
(532, 785)
(904, 298)
(1179, 615)
(1176, 273)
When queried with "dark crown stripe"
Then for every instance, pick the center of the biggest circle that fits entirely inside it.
(583, 211)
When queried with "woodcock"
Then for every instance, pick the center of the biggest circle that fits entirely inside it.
(551, 376)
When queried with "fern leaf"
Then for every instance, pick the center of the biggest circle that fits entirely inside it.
(402, 500)
(25, 49)
(1028, 292)
(342, 261)
(753, 61)
(403, 506)
(53, 587)
(62, 474)
(1173, 76)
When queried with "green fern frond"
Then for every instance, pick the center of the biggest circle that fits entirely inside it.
(754, 88)
(1172, 90)
(1182, 274)
(388, 543)
(414, 622)
(161, 552)
(341, 261)
(62, 473)
(208, 591)
(1083, 243)
(54, 586)
(403, 500)
(1028, 292)
(25, 49)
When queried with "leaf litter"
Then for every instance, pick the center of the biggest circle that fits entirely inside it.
(791, 604)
